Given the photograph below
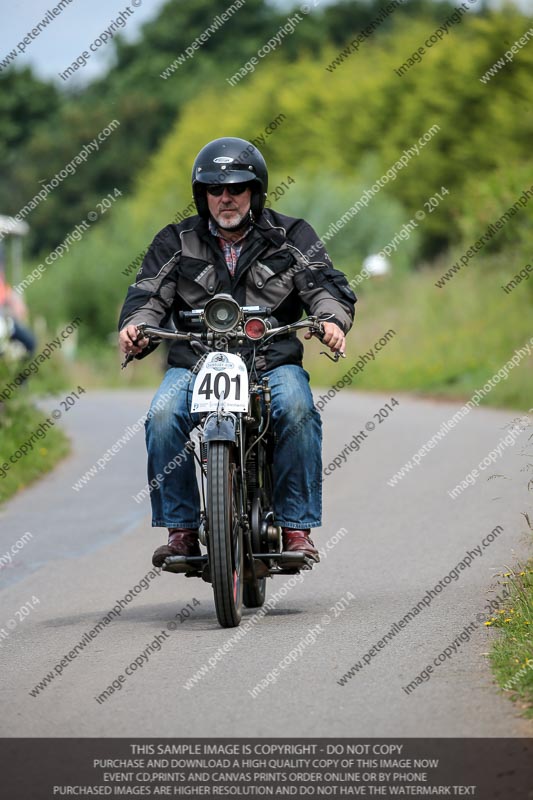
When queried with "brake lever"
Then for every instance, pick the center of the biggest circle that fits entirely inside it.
(334, 358)
(318, 331)
(140, 335)
(129, 357)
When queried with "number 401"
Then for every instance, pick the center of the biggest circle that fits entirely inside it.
(209, 387)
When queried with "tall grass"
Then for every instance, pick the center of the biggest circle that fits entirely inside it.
(448, 341)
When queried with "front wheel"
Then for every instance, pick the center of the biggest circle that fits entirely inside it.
(225, 533)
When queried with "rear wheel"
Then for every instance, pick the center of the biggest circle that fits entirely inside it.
(254, 597)
(225, 533)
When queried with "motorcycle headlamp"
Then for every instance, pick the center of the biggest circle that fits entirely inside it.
(222, 313)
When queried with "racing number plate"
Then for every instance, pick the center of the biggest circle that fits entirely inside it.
(222, 373)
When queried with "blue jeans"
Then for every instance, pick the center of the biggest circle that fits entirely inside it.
(297, 463)
(25, 337)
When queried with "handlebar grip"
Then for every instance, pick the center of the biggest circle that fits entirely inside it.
(318, 330)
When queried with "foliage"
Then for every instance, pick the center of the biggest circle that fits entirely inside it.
(25, 104)
(338, 127)
(484, 202)
(324, 199)
(336, 132)
(511, 656)
(18, 420)
(146, 105)
(447, 348)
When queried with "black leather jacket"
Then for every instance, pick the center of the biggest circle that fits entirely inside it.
(283, 264)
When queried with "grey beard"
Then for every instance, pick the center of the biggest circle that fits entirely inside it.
(245, 221)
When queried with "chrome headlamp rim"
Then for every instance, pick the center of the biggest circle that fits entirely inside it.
(235, 313)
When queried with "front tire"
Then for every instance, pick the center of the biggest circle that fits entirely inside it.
(225, 533)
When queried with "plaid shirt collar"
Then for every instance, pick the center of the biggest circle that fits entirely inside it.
(231, 250)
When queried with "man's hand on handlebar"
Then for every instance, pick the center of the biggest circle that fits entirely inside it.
(333, 337)
(133, 339)
(128, 342)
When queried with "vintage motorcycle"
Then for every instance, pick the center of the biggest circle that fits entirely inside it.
(235, 459)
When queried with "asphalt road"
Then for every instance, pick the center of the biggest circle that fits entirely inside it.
(90, 547)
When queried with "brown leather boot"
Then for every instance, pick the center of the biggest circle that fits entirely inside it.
(299, 541)
(181, 542)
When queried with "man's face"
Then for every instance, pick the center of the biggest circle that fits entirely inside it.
(228, 210)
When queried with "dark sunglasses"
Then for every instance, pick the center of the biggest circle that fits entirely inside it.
(216, 189)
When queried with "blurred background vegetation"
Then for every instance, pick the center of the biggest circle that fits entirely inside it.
(338, 131)
(334, 132)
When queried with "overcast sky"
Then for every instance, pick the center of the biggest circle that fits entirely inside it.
(79, 24)
(61, 42)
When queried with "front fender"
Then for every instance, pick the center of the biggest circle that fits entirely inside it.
(223, 430)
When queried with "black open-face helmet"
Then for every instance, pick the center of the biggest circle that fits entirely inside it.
(229, 160)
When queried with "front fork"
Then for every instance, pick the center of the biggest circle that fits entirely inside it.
(234, 433)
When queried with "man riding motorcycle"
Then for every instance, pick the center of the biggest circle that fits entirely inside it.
(260, 257)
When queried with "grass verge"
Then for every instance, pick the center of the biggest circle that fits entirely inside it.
(446, 343)
(18, 420)
(511, 656)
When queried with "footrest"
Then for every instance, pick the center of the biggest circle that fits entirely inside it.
(184, 563)
(305, 564)
(294, 560)
(290, 556)
(296, 555)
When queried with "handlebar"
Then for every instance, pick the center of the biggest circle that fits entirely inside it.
(153, 333)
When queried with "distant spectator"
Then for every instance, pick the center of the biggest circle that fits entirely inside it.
(14, 307)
